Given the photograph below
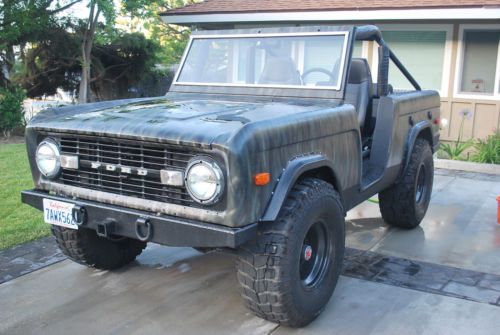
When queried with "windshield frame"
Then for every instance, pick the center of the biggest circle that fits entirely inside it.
(332, 92)
(266, 35)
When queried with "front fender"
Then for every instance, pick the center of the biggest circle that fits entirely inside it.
(294, 169)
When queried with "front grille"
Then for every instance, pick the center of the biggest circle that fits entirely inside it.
(101, 160)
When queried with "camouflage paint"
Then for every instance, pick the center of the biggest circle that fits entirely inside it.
(247, 133)
(246, 137)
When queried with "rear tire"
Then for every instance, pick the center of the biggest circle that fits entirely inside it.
(289, 272)
(404, 204)
(85, 247)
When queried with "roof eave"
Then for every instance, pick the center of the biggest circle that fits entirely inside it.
(466, 13)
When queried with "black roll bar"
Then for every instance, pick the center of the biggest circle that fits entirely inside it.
(372, 33)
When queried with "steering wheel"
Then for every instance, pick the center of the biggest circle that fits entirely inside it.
(319, 70)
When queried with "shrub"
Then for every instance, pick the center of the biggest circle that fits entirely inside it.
(455, 149)
(11, 109)
(488, 150)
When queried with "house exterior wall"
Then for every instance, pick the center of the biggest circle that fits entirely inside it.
(485, 112)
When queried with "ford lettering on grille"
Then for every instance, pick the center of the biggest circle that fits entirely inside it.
(125, 167)
(122, 169)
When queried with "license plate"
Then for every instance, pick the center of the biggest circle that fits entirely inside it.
(58, 213)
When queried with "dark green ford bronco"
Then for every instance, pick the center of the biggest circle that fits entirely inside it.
(266, 138)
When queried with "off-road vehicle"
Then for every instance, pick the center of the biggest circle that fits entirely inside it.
(264, 141)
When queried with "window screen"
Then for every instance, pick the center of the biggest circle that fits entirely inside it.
(422, 53)
(479, 61)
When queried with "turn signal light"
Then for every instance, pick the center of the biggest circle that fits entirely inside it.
(262, 179)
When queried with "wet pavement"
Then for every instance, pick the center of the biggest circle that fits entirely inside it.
(441, 278)
(459, 229)
(26, 258)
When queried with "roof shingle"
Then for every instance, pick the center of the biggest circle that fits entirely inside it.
(255, 6)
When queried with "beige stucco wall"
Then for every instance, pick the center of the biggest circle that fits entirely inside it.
(484, 121)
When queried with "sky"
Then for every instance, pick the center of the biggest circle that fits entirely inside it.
(80, 10)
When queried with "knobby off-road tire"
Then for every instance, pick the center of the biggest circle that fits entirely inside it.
(404, 204)
(288, 273)
(84, 246)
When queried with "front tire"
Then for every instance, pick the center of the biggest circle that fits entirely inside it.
(289, 272)
(404, 204)
(85, 247)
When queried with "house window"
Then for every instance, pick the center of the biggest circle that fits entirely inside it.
(357, 50)
(422, 53)
(479, 72)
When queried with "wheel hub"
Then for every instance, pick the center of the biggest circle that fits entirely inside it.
(308, 251)
(314, 256)
(421, 184)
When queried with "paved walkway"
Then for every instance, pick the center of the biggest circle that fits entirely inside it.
(442, 278)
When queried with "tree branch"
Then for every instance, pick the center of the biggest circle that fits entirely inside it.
(57, 10)
(103, 73)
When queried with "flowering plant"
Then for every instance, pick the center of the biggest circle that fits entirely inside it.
(455, 149)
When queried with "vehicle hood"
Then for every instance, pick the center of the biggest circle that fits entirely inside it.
(178, 120)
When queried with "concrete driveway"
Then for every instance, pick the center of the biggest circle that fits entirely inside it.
(442, 278)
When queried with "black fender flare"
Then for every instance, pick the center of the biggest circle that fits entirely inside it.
(294, 169)
(415, 131)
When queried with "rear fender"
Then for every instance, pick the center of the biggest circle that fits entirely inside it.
(422, 129)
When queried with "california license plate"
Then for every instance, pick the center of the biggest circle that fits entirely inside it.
(59, 213)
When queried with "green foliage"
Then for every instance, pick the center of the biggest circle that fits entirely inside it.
(455, 149)
(107, 8)
(153, 84)
(105, 29)
(52, 63)
(11, 109)
(485, 151)
(171, 38)
(19, 223)
(23, 22)
(120, 65)
(51, 46)
(488, 150)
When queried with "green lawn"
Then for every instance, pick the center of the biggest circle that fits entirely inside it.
(19, 223)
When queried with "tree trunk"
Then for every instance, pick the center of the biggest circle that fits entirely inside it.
(87, 44)
(10, 60)
(83, 94)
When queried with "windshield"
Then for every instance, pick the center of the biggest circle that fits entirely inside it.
(312, 60)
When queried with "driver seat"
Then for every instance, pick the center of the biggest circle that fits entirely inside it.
(280, 71)
(359, 89)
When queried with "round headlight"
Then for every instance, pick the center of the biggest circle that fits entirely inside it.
(48, 158)
(204, 181)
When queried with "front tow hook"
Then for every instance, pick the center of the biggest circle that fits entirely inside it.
(143, 229)
(79, 214)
